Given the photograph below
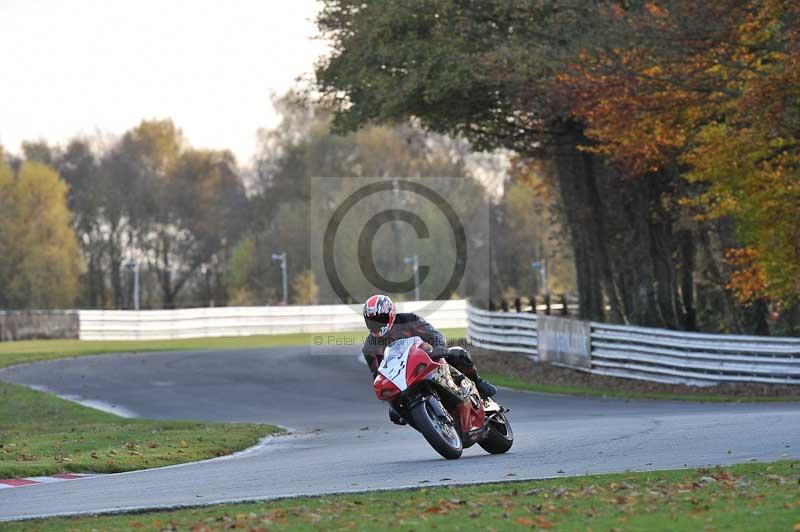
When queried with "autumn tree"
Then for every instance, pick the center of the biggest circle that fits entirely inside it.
(39, 258)
(186, 209)
(284, 215)
(149, 196)
(708, 94)
(490, 71)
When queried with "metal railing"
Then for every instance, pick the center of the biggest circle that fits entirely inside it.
(503, 331)
(693, 358)
(644, 353)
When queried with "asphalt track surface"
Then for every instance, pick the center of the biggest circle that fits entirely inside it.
(342, 439)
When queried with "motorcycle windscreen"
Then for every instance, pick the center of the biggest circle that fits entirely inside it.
(395, 361)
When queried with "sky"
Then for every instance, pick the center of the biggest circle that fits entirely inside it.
(83, 67)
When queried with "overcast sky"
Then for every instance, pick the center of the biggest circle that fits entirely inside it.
(81, 66)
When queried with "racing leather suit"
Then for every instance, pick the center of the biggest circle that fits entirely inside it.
(408, 324)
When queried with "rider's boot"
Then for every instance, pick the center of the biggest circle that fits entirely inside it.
(459, 357)
(395, 418)
(485, 388)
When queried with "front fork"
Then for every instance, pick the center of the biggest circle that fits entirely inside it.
(421, 396)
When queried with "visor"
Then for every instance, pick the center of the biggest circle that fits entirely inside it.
(376, 323)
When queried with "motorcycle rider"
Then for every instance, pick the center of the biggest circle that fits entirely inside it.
(386, 325)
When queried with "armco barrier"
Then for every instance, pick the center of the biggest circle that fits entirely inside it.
(641, 353)
(693, 358)
(245, 321)
(503, 331)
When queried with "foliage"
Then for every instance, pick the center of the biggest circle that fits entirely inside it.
(150, 197)
(489, 71)
(657, 124)
(39, 260)
(304, 289)
(713, 88)
(243, 272)
(293, 205)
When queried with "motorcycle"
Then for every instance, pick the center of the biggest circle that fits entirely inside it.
(439, 401)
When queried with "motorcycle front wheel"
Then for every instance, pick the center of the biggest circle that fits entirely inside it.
(500, 437)
(437, 430)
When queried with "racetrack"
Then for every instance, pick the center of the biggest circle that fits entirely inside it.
(342, 439)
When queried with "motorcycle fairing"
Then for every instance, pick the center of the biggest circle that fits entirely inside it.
(395, 361)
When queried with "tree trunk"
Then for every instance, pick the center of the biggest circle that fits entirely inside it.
(579, 196)
(687, 253)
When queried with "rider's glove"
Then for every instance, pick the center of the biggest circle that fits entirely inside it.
(439, 351)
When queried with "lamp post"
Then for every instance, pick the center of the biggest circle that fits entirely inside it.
(541, 266)
(414, 261)
(281, 257)
(206, 273)
(134, 267)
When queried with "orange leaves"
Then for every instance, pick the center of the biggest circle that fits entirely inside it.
(723, 108)
(748, 280)
(539, 522)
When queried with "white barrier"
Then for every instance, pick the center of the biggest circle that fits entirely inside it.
(693, 358)
(643, 353)
(246, 321)
(503, 331)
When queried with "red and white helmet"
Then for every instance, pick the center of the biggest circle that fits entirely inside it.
(379, 314)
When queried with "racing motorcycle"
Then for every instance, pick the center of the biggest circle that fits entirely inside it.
(439, 401)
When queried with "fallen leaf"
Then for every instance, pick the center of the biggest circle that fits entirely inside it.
(184, 443)
(524, 521)
(542, 522)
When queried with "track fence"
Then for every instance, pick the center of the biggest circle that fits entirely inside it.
(641, 353)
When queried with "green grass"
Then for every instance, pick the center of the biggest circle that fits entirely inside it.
(41, 434)
(749, 497)
(521, 384)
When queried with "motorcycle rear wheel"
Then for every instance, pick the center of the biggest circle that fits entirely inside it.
(500, 437)
(440, 433)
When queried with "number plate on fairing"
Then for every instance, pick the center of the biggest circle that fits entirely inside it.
(395, 361)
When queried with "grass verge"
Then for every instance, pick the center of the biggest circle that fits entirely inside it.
(41, 434)
(743, 497)
(518, 383)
